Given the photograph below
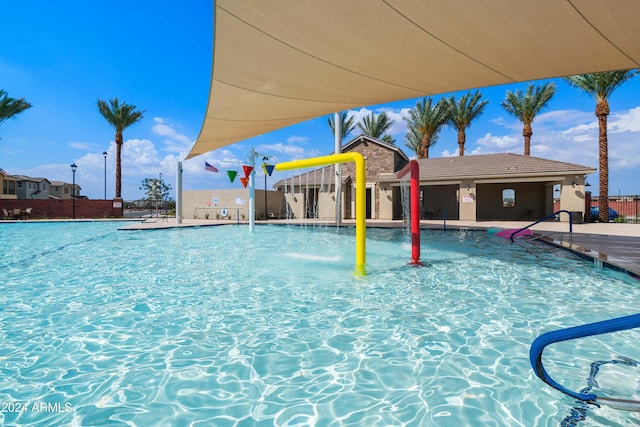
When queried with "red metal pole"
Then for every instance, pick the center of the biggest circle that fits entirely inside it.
(415, 209)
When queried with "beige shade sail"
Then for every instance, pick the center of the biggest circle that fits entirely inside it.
(281, 62)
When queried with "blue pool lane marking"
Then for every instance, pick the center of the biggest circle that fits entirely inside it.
(50, 251)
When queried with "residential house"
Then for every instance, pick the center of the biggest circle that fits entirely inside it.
(7, 185)
(63, 190)
(31, 188)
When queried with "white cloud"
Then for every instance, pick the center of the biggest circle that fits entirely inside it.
(586, 132)
(560, 118)
(510, 123)
(625, 122)
(454, 153)
(497, 144)
(500, 121)
(82, 145)
(399, 127)
(298, 139)
(140, 155)
(624, 151)
(287, 151)
(174, 141)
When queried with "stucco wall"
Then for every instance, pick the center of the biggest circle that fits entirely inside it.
(199, 203)
(530, 200)
(298, 205)
(572, 197)
(468, 201)
(385, 202)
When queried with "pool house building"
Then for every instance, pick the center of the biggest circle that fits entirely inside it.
(469, 188)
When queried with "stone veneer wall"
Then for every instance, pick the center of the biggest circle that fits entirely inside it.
(378, 159)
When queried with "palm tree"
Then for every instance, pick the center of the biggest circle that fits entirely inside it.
(120, 117)
(413, 139)
(425, 122)
(463, 112)
(10, 107)
(526, 106)
(376, 126)
(600, 86)
(347, 124)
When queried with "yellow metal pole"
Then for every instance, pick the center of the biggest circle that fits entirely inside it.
(361, 226)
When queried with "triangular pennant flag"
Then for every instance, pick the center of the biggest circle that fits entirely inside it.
(247, 170)
(232, 175)
(269, 168)
(244, 181)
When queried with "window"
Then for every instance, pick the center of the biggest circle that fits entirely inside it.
(508, 198)
(19, 184)
(8, 187)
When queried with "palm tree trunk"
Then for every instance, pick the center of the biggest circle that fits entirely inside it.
(118, 165)
(602, 111)
(462, 138)
(527, 132)
(424, 148)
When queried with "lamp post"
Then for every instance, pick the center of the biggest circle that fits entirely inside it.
(104, 154)
(160, 196)
(73, 190)
(264, 162)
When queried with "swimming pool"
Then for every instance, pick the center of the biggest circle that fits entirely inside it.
(215, 326)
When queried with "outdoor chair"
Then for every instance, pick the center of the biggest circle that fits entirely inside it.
(6, 214)
(16, 213)
(26, 213)
(526, 214)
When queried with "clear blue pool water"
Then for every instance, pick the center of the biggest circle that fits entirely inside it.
(215, 326)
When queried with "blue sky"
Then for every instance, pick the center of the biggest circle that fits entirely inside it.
(156, 55)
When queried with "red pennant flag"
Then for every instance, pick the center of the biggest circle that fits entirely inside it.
(232, 175)
(244, 181)
(247, 170)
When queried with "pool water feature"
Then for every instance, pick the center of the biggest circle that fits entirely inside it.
(214, 326)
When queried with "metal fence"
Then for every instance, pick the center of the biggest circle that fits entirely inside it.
(627, 207)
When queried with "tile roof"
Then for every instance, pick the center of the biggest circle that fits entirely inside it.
(476, 166)
(320, 176)
(492, 165)
(27, 178)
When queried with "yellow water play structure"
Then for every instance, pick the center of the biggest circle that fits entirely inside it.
(361, 227)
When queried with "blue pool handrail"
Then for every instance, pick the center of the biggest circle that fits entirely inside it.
(597, 328)
(544, 219)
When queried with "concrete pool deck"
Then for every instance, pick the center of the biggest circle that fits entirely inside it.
(613, 244)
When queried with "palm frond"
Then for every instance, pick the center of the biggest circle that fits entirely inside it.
(11, 107)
